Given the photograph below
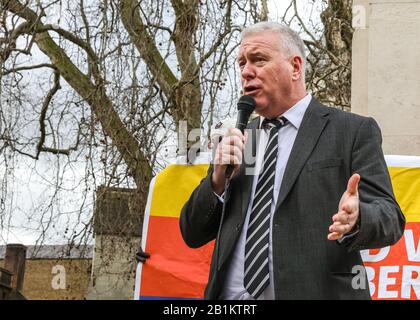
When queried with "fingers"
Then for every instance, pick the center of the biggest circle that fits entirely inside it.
(344, 218)
(233, 141)
(245, 137)
(340, 228)
(231, 148)
(240, 139)
(343, 223)
(228, 153)
(350, 205)
(353, 184)
(334, 236)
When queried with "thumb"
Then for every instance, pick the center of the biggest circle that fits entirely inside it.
(353, 184)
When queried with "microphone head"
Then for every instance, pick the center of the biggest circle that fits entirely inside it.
(246, 104)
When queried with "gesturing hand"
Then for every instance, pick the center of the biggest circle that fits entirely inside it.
(348, 210)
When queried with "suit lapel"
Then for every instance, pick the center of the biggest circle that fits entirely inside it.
(313, 123)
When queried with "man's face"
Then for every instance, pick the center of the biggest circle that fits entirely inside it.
(266, 74)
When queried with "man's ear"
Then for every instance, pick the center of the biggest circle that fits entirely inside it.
(297, 68)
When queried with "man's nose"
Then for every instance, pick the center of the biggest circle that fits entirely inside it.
(248, 71)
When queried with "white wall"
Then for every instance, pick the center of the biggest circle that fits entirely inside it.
(386, 70)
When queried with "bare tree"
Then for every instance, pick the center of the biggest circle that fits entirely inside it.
(329, 44)
(105, 84)
(92, 93)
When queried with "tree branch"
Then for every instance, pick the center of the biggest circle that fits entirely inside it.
(94, 95)
(220, 38)
(51, 93)
(37, 66)
(145, 45)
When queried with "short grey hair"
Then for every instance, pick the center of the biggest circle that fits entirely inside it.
(290, 40)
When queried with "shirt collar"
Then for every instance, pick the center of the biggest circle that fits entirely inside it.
(295, 114)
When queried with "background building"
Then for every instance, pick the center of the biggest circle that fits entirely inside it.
(386, 69)
(55, 272)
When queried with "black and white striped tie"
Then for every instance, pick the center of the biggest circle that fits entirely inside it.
(256, 271)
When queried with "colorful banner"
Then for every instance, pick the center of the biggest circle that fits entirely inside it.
(394, 272)
(175, 271)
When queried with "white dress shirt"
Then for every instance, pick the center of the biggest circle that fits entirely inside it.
(234, 284)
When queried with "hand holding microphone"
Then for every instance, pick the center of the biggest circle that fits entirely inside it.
(229, 151)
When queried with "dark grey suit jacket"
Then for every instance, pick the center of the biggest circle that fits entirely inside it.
(330, 146)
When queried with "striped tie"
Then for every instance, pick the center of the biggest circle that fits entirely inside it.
(256, 272)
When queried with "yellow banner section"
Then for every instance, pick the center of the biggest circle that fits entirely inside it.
(173, 187)
(406, 184)
(174, 184)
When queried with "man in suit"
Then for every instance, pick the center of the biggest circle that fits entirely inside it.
(318, 191)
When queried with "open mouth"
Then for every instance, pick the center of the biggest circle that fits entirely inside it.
(250, 90)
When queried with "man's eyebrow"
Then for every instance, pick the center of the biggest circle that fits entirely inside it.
(252, 54)
(257, 52)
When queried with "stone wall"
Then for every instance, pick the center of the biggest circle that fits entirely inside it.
(44, 279)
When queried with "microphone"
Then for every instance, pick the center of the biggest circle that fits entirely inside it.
(246, 106)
